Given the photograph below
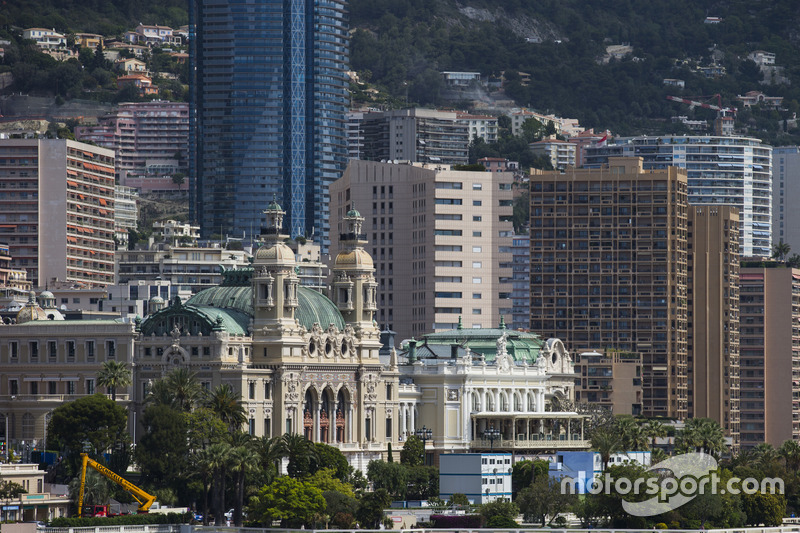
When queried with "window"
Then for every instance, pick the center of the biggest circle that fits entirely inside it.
(476, 233)
(90, 350)
(111, 349)
(477, 280)
(477, 249)
(52, 387)
(477, 264)
(477, 203)
(251, 426)
(13, 387)
(267, 427)
(13, 349)
(476, 296)
(476, 311)
(70, 351)
(388, 428)
(89, 386)
(267, 391)
(506, 203)
(34, 387)
(477, 187)
(252, 390)
(70, 387)
(449, 185)
(76, 300)
(34, 350)
(448, 232)
(388, 391)
(447, 295)
(476, 218)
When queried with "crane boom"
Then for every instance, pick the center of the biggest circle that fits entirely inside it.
(145, 500)
(694, 103)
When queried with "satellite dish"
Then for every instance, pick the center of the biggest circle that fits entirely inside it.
(63, 307)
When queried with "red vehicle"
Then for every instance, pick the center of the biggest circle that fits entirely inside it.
(95, 510)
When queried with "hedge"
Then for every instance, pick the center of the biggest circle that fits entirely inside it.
(456, 521)
(124, 520)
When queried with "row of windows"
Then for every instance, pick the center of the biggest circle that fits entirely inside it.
(51, 387)
(52, 347)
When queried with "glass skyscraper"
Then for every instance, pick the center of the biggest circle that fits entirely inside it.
(269, 98)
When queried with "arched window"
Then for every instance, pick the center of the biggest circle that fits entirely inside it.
(28, 426)
(517, 403)
(476, 402)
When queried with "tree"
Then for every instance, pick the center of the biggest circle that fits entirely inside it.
(633, 437)
(219, 458)
(114, 374)
(185, 389)
(244, 460)
(606, 440)
(790, 452)
(413, 452)
(302, 454)
(270, 451)
(499, 508)
(701, 434)
(96, 489)
(654, 429)
(93, 420)
(781, 250)
(767, 509)
(525, 473)
(227, 405)
(422, 482)
(371, 506)
(392, 477)
(162, 452)
(332, 458)
(542, 500)
(289, 500)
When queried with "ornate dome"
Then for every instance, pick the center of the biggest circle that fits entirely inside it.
(353, 213)
(357, 258)
(277, 252)
(157, 300)
(31, 311)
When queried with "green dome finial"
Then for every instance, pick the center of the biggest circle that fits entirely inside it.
(274, 205)
(460, 323)
(502, 322)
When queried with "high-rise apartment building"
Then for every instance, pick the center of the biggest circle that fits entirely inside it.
(57, 209)
(269, 98)
(735, 171)
(521, 282)
(440, 239)
(417, 135)
(149, 138)
(785, 191)
(609, 266)
(769, 304)
(612, 380)
(714, 316)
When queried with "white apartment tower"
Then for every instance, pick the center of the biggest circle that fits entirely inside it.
(440, 239)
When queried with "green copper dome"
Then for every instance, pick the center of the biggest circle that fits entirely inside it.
(519, 345)
(353, 213)
(274, 206)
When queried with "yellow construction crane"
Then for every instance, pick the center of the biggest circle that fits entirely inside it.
(145, 500)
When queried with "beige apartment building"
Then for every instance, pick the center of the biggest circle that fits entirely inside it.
(441, 241)
(769, 303)
(612, 380)
(57, 209)
(714, 317)
(609, 267)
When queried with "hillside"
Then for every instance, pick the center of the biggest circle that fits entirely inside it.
(551, 51)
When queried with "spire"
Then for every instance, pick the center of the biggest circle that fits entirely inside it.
(502, 322)
(460, 323)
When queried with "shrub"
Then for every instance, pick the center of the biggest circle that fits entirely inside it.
(124, 520)
(455, 521)
(502, 521)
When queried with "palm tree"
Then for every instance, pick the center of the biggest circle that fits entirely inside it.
(227, 405)
(302, 454)
(654, 429)
(781, 250)
(219, 460)
(702, 434)
(159, 393)
(244, 459)
(271, 450)
(185, 389)
(766, 457)
(96, 491)
(606, 440)
(633, 438)
(201, 468)
(114, 374)
(790, 452)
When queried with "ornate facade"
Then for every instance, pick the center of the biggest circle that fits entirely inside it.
(303, 363)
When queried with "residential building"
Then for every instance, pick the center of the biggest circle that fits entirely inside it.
(785, 188)
(141, 297)
(521, 282)
(355, 135)
(735, 171)
(612, 380)
(130, 64)
(174, 232)
(752, 98)
(57, 209)
(498, 164)
(270, 93)
(714, 317)
(769, 305)
(38, 503)
(51, 361)
(483, 126)
(561, 154)
(416, 135)
(481, 477)
(48, 39)
(762, 58)
(609, 267)
(192, 267)
(151, 139)
(88, 40)
(461, 79)
(489, 390)
(151, 35)
(585, 139)
(302, 363)
(126, 212)
(144, 85)
(441, 240)
(565, 126)
(673, 82)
